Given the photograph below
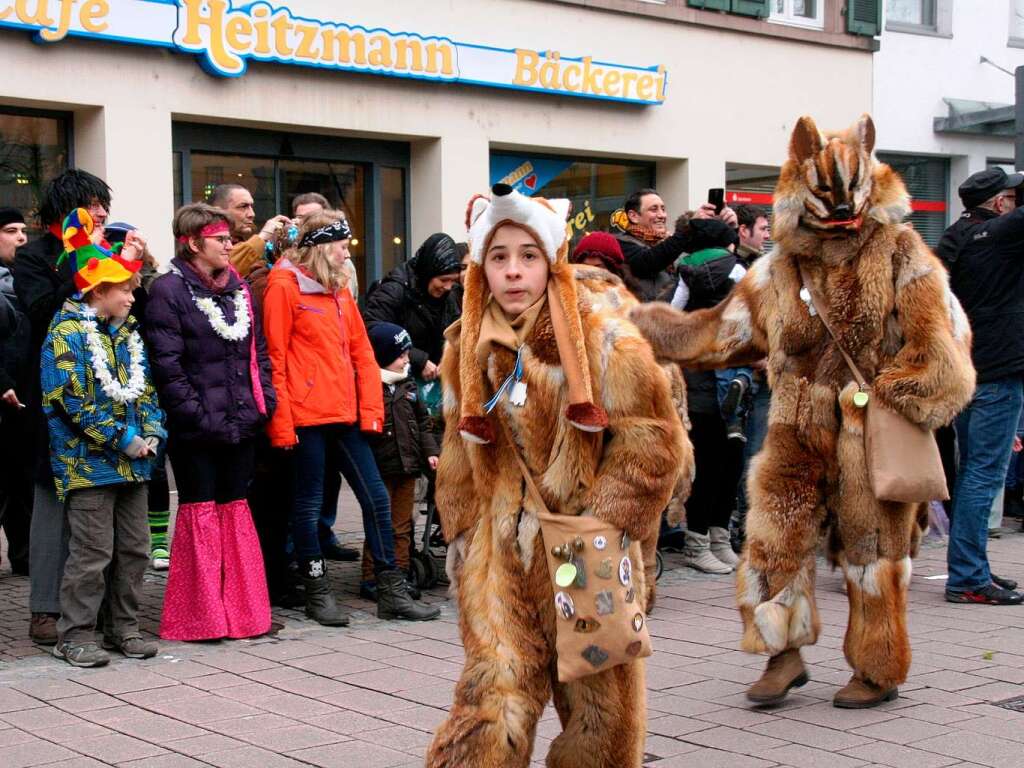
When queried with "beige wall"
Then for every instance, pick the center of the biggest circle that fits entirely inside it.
(730, 97)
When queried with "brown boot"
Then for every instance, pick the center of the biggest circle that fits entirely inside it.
(42, 628)
(784, 671)
(860, 693)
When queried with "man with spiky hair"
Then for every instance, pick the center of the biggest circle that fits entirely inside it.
(41, 285)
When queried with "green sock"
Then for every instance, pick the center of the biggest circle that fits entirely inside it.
(158, 522)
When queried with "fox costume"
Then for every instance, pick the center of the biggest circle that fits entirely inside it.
(837, 215)
(623, 473)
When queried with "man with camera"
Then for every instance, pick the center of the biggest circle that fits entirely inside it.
(984, 253)
(649, 248)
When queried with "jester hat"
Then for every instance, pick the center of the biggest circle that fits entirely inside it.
(545, 221)
(94, 263)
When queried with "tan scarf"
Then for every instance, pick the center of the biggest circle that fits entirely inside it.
(497, 329)
(646, 234)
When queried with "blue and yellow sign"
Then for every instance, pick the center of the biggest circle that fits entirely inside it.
(226, 38)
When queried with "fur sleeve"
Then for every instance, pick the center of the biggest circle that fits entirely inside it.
(457, 502)
(730, 334)
(645, 446)
(931, 379)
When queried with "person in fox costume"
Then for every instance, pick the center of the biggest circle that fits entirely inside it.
(837, 217)
(593, 418)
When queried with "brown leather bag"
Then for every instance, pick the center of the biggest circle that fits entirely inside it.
(599, 616)
(903, 458)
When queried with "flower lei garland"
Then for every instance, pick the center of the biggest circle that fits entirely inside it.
(234, 332)
(114, 389)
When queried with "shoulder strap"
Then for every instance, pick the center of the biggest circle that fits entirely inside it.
(531, 485)
(819, 306)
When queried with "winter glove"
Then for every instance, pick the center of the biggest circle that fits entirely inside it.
(153, 443)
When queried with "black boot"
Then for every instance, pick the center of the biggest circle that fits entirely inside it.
(414, 590)
(394, 602)
(320, 604)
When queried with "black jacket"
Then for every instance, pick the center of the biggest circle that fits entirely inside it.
(15, 342)
(398, 299)
(648, 262)
(41, 286)
(407, 440)
(984, 254)
(709, 282)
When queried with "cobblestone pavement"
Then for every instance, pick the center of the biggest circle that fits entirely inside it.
(369, 696)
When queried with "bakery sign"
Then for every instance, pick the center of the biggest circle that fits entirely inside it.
(226, 38)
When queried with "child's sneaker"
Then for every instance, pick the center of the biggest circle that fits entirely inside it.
(132, 647)
(736, 430)
(82, 654)
(738, 388)
(160, 559)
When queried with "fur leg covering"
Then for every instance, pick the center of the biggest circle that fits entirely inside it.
(787, 619)
(877, 645)
(775, 577)
(604, 720)
(506, 681)
(649, 552)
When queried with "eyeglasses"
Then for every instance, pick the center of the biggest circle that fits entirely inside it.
(222, 239)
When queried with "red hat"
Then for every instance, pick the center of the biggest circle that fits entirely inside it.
(600, 243)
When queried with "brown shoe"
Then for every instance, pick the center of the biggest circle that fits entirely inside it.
(863, 694)
(784, 671)
(42, 629)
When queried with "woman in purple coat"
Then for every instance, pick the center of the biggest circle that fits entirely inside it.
(212, 373)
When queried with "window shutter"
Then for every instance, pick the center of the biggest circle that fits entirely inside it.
(758, 8)
(864, 17)
(710, 5)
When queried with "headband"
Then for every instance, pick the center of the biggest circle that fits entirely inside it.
(339, 230)
(210, 230)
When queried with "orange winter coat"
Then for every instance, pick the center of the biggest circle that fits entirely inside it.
(324, 371)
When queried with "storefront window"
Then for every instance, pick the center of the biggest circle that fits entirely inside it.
(596, 189)
(927, 180)
(364, 179)
(394, 235)
(344, 186)
(33, 149)
(254, 173)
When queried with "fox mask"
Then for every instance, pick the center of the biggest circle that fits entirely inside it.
(832, 181)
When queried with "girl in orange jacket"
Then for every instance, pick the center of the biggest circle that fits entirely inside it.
(329, 394)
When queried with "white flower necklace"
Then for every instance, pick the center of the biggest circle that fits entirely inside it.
(114, 389)
(234, 332)
(237, 330)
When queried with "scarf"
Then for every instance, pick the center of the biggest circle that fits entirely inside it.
(213, 283)
(645, 234)
(497, 329)
(392, 378)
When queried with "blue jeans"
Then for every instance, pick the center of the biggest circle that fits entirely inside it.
(985, 433)
(332, 489)
(757, 430)
(356, 462)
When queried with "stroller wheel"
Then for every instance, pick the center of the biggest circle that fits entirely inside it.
(659, 565)
(424, 570)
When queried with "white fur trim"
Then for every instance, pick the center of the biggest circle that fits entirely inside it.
(906, 566)
(547, 223)
(469, 437)
(772, 622)
(752, 594)
(913, 272)
(761, 271)
(801, 623)
(529, 526)
(957, 316)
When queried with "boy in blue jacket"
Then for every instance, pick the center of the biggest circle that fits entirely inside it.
(105, 427)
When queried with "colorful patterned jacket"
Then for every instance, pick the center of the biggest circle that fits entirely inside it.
(89, 429)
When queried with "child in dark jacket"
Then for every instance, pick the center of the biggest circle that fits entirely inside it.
(406, 448)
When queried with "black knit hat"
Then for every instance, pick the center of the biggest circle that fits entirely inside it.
(10, 216)
(388, 341)
(437, 256)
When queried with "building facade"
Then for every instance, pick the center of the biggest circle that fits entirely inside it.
(398, 112)
(944, 96)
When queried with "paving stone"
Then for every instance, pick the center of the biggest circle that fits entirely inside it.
(898, 756)
(164, 761)
(292, 738)
(799, 756)
(31, 753)
(352, 753)
(117, 748)
(987, 750)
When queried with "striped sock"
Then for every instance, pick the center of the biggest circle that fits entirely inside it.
(158, 522)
